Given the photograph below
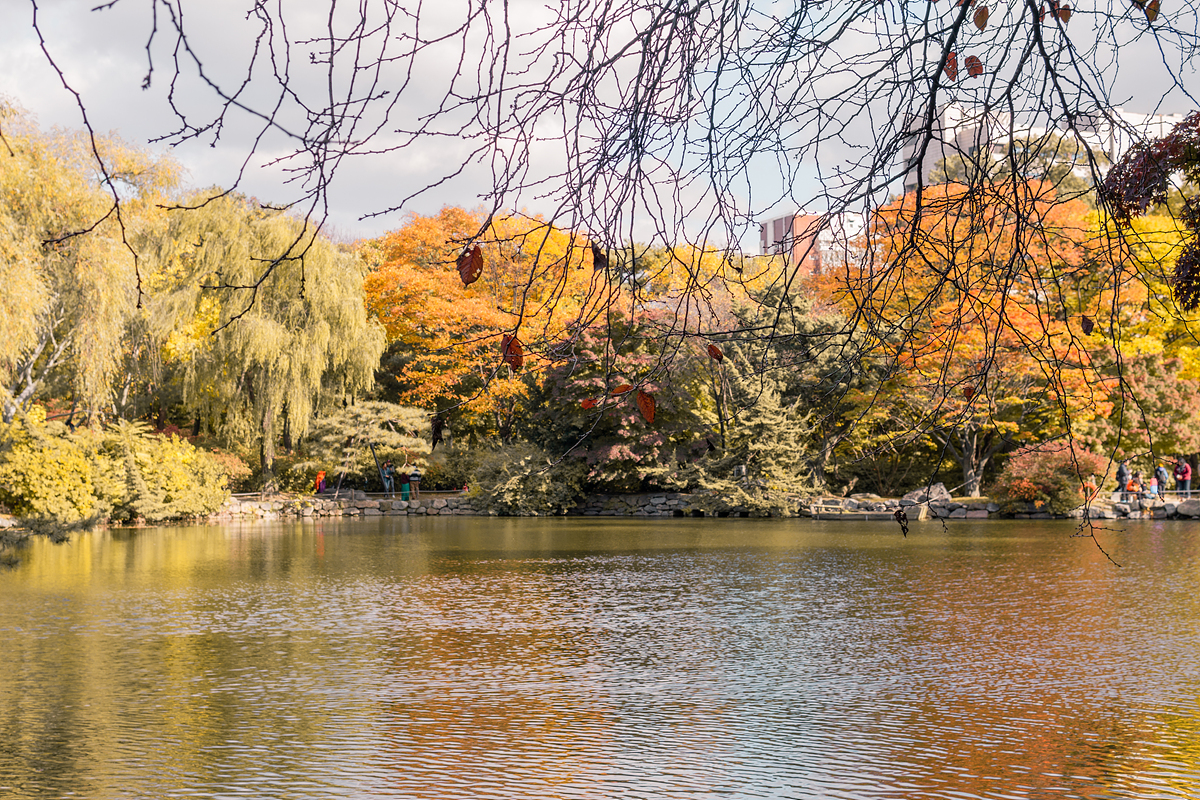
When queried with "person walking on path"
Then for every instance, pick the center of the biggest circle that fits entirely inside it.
(1183, 476)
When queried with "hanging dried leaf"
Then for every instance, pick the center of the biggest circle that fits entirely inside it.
(1064, 14)
(1087, 326)
(470, 265)
(1152, 10)
(589, 403)
(974, 66)
(646, 404)
(1042, 15)
(952, 66)
(715, 353)
(512, 352)
(599, 259)
(981, 17)
(968, 392)
(622, 389)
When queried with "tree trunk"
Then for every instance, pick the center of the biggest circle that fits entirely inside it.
(287, 430)
(267, 451)
(972, 478)
(719, 394)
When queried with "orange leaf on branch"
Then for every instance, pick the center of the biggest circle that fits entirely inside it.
(513, 353)
(646, 404)
(589, 403)
(974, 66)
(715, 353)
(981, 17)
(470, 265)
(952, 66)
(622, 389)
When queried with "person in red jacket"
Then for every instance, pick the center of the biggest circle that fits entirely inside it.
(1183, 476)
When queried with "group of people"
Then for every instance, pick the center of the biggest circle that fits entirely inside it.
(1133, 483)
(410, 482)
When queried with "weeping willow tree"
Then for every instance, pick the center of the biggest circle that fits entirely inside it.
(259, 353)
(66, 299)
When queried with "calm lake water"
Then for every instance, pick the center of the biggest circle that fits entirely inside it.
(485, 658)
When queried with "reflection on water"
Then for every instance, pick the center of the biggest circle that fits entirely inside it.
(475, 658)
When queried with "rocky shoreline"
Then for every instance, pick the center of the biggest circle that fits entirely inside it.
(932, 503)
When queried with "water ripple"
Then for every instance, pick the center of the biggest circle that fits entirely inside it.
(520, 659)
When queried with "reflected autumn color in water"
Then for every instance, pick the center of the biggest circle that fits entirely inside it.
(567, 658)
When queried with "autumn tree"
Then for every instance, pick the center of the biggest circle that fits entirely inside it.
(68, 299)
(258, 356)
(445, 336)
(980, 353)
(591, 404)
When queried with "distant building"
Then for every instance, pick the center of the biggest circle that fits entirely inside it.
(958, 131)
(818, 244)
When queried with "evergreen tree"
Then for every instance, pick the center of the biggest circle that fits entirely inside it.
(349, 440)
(773, 440)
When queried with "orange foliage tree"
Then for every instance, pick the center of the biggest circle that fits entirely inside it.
(447, 341)
(970, 306)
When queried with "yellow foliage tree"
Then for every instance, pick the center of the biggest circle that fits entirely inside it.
(71, 280)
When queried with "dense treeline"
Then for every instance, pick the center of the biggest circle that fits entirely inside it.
(193, 343)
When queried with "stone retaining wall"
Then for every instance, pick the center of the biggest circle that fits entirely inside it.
(359, 504)
(679, 504)
(351, 504)
(668, 504)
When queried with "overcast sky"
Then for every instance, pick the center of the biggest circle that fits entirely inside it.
(103, 56)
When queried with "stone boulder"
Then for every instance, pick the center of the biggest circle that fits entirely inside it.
(926, 494)
(1188, 508)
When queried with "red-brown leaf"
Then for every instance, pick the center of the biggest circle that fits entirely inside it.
(646, 404)
(589, 403)
(1064, 14)
(622, 389)
(968, 392)
(715, 353)
(599, 259)
(974, 66)
(470, 265)
(512, 352)
(1087, 325)
(1152, 10)
(981, 17)
(952, 66)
